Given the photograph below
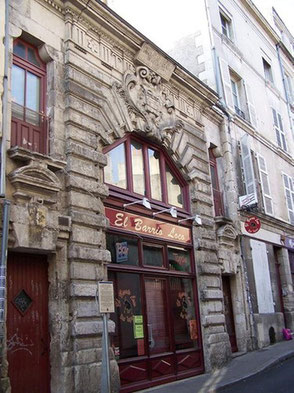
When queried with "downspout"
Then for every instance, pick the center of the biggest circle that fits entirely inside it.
(285, 87)
(4, 242)
(214, 54)
(6, 203)
(5, 102)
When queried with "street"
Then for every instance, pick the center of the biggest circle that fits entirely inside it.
(278, 379)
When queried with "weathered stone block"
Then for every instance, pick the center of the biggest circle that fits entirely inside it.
(94, 326)
(86, 201)
(207, 268)
(211, 294)
(212, 282)
(87, 271)
(83, 289)
(89, 254)
(215, 319)
(85, 308)
(88, 219)
(82, 166)
(88, 185)
(86, 235)
(86, 356)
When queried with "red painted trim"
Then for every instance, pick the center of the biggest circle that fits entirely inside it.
(164, 158)
(41, 73)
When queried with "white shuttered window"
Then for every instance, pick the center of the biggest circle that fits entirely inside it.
(247, 165)
(226, 80)
(250, 104)
(280, 134)
(265, 186)
(289, 194)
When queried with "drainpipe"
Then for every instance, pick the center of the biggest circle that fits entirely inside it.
(4, 241)
(6, 203)
(5, 103)
(285, 87)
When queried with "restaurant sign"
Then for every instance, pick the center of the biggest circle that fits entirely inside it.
(147, 226)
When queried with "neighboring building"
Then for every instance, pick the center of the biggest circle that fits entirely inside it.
(250, 64)
(102, 123)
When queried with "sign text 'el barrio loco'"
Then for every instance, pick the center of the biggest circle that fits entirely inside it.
(147, 226)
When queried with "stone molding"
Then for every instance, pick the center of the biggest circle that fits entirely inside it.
(227, 232)
(35, 177)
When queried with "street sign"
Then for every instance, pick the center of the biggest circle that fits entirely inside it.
(105, 297)
(252, 224)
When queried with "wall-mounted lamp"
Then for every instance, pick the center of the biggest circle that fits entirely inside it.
(143, 202)
(172, 210)
(196, 219)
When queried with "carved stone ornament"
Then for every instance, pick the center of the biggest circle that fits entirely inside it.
(150, 109)
(35, 179)
(227, 232)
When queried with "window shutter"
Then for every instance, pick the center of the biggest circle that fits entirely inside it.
(280, 135)
(247, 166)
(265, 187)
(251, 108)
(289, 193)
(224, 69)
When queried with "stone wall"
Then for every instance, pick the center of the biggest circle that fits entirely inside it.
(95, 75)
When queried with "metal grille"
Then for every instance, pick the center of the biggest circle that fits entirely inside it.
(22, 301)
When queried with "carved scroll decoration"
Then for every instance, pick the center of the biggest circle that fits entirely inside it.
(150, 109)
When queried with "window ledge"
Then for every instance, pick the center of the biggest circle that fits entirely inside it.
(231, 44)
(221, 220)
(24, 155)
(272, 87)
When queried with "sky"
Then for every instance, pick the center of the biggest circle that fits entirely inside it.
(164, 22)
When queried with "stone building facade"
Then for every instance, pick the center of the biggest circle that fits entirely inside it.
(83, 84)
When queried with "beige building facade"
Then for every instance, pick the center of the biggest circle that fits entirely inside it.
(249, 61)
(109, 178)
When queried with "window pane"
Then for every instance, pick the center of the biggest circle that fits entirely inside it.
(173, 189)
(179, 259)
(124, 250)
(185, 325)
(154, 169)
(153, 255)
(138, 168)
(17, 88)
(33, 92)
(128, 305)
(32, 57)
(19, 50)
(115, 171)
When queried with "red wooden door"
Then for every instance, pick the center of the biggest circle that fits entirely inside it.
(27, 324)
(229, 316)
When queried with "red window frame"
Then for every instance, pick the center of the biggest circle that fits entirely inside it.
(129, 195)
(23, 133)
(217, 194)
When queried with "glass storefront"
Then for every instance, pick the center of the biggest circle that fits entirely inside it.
(156, 319)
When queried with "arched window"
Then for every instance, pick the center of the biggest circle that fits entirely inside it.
(143, 169)
(28, 126)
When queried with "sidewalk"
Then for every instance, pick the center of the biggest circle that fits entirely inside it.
(238, 369)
